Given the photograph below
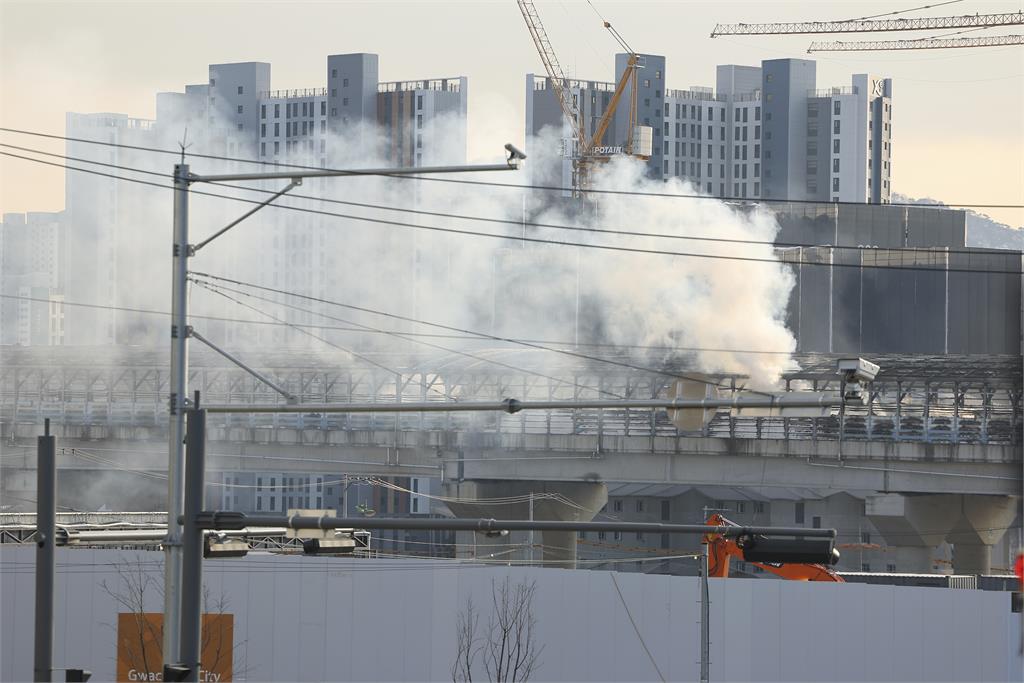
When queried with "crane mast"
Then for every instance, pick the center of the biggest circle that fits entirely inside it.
(587, 150)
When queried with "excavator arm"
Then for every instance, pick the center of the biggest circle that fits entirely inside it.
(721, 550)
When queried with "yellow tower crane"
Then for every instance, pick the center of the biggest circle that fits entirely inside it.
(589, 149)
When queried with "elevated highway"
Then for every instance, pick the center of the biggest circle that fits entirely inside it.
(933, 424)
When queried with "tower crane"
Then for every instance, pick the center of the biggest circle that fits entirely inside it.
(588, 149)
(918, 44)
(866, 26)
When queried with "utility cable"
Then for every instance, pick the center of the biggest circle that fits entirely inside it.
(636, 629)
(318, 338)
(553, 188)
(540, 347)
(491, 219)
(340, 328)
(400, 335)
(536, 240)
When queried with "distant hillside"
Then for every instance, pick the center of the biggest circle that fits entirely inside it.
(982, 231)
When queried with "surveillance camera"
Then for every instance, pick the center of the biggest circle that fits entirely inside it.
(515, 155)
(857, 369)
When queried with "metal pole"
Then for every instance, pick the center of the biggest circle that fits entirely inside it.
(192, 544)
(705, 625)
(176, 427)
(531, 530)
(46, 515)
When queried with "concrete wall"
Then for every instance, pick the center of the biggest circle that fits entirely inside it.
(299, 618)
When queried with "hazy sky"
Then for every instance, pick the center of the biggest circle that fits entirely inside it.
(958, 115)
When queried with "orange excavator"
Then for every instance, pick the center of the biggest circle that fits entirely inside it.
(780, 557)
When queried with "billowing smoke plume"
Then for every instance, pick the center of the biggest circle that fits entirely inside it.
(661, 306)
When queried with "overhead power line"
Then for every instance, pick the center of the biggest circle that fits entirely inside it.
(483, 219)
(869, 26)
(372, 330)
(536, 240)
(484, 183)
(218, 290)
(923, 44)
(540, 347)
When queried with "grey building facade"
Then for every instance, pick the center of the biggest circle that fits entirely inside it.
(762, 132)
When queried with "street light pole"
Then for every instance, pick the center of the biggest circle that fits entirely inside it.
(182, 250)
(176, 428)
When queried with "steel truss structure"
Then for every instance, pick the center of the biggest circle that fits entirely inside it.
(919, 44)
(936, 399)
(870, 26)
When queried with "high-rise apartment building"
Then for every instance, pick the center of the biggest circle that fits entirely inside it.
(763, 132)
(32, 249)
(117, 228)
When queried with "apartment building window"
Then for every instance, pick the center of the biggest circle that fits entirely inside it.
(239, 109)
(865, 567)
(799, 513)
(835, 107)
(323, 108)
(835, 126)
(319, 485)
(757, 132)
(238, 126)
(709, 188)
(640, 536)
(334, 111)
(277, 111)
(344, 101)
(865, 537)
(891, 567)
(710, 151)
(721, 170)
(241, 90)
(835, 184)
(259, 503)
(735, 189)
(743, 170)
(616, 535)
(277, 130)
(334, 92)
(757, 151)
(735, 151)
(744, 155)
(640, 505)
(744, 135)
(721, 189)
(667, 111)
(263, 149)
(419, 101)
(736, 170)
(721, 133)
(344, 82)
(419, 121)
(617, 506)
(657, 75)
(334, 73)
(277, 147)
(835, 165)
(757, 191)
(263, 111)
(710, 133)
(666, 127)
(711, 172)
(259, 483)
(272, 503)
(600, 535)
(757, 113)
(835, 146)
(263, 130)
(213, 82)
(816, 522)
(666, 506)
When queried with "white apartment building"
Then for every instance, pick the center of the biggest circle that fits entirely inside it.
(763, 132)
(32, 248)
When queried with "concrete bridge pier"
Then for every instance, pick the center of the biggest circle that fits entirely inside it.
(982, 522)
(971, 523)
(561, 501)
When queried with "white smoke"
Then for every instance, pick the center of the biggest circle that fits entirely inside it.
(514, 288)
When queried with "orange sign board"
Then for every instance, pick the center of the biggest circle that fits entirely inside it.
(140, 644)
